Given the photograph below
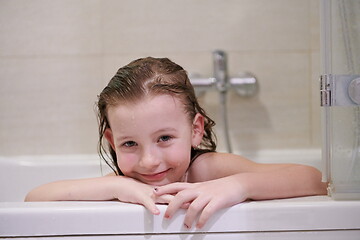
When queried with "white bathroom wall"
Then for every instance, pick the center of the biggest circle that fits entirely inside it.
(56, 56)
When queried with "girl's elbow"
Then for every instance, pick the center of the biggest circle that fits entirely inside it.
(30, 197)
(314, 179)
(27, 198)
(38, 194)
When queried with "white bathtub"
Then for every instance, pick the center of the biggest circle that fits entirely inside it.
(317, 217)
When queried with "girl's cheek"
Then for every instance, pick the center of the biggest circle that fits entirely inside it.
(179, 156)
(127, 162)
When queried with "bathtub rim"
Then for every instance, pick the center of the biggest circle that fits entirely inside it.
(316, 213)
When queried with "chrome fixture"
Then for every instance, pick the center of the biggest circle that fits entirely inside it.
(246, 85)
(220, 70)
(354, 90)
(339, 90)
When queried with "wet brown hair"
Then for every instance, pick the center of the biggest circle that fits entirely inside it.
(141, 78)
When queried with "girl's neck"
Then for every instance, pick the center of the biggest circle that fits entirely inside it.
(185, 177)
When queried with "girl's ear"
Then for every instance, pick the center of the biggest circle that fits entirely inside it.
(109, 137)
(198, 130)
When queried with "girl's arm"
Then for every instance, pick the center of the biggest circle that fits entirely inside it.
(223, 180)
(262, 181)
(101, 188)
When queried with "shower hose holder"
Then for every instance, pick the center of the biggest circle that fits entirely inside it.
(245, 85)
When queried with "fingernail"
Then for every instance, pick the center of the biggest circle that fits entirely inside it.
(167, 216)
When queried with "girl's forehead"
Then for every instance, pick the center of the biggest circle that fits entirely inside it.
(148, 116)
(157, 104)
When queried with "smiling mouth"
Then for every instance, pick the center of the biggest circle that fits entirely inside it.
(156, 176)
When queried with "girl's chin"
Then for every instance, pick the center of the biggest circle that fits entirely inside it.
(160, 183)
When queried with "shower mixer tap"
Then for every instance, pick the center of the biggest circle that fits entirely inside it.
(220, 70)
(245, 85)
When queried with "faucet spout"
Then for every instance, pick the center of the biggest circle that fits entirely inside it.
(220, 70)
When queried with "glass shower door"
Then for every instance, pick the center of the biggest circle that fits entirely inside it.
(340, 96)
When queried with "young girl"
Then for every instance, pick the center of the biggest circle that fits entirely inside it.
(163, 151)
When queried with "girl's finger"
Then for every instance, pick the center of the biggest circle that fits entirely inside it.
(150, 205)
(178, 201)
(171, 188)
(166, 198)
(197, 206)
(185, 205)
(207, 212)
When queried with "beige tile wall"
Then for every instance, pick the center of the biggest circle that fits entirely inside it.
(56, 56)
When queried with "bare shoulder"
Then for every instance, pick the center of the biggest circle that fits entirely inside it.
(215, 165)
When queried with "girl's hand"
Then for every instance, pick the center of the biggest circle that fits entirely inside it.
(133, 191)
(204, 198)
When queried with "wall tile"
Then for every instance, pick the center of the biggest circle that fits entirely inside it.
(316, 132)
(163, 26)
(48, 110)
(41, 27)
(315, 24)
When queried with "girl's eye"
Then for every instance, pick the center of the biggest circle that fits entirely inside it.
(129, 144)
(164, 138)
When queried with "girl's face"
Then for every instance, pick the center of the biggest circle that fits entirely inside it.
(153, 139)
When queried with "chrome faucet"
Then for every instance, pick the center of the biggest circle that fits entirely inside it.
(220, 70)
(245, 85)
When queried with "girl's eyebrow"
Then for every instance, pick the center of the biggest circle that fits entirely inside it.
(123, 138)
(168, 129)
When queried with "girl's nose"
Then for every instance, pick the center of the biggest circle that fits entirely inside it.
(149, 159)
